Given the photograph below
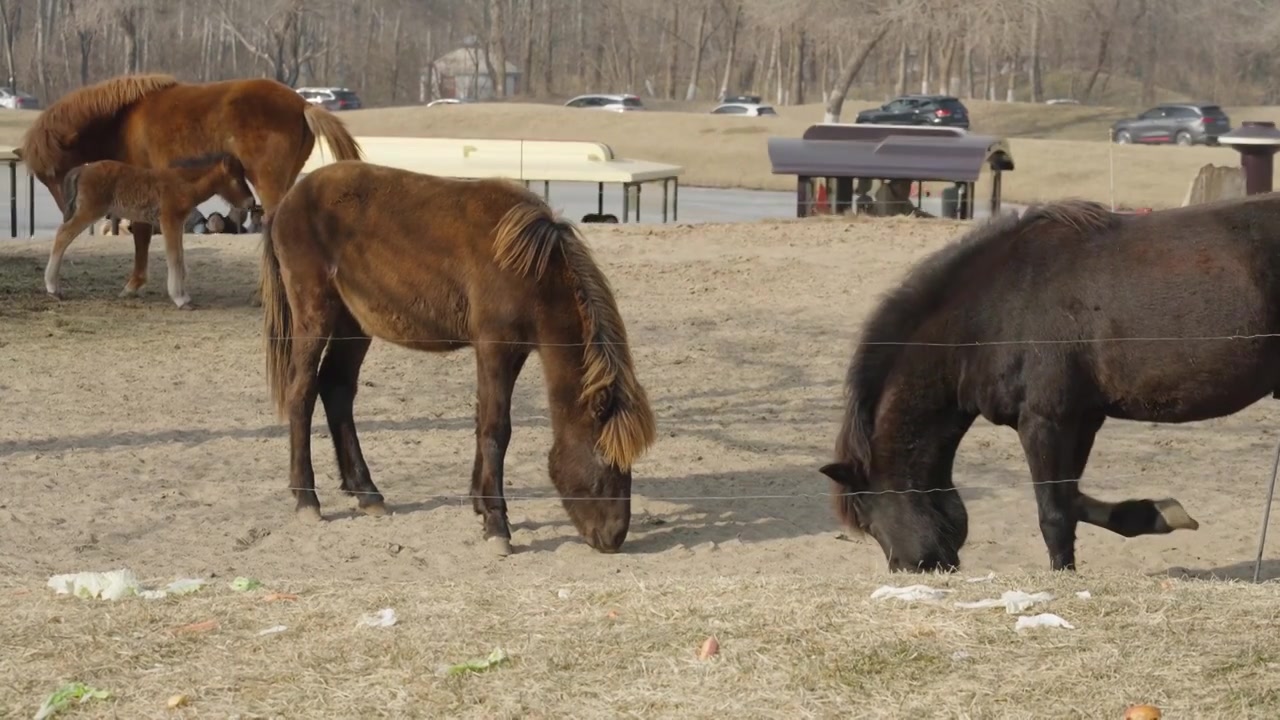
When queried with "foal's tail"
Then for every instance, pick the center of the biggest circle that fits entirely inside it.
(277, 320)
(70, 192)
(324, 124)
(525, 240)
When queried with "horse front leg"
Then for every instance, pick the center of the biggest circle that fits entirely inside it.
(1049, 446)
(1129, 518)
(141, 233)
(497, 367)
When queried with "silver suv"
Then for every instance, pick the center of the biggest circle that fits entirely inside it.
(1178, 123)
(617, 103)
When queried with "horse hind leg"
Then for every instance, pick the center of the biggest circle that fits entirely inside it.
(310, 331)
(338, 382)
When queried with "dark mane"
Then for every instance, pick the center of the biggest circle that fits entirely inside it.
(903, 309)
(205, 160)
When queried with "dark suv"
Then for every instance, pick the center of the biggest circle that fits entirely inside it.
(1179, 123)
(943, 110)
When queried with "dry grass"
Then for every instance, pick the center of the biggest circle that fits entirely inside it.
(1051, 144)
(1060, 150)
(790, 648)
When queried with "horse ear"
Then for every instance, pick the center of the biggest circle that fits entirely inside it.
(846, 474)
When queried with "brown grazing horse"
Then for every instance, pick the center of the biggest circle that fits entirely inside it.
(357, 251)
(1050, 324)
(163, 197)
(152, 120)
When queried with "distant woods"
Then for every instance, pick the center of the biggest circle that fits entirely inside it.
(800, 51)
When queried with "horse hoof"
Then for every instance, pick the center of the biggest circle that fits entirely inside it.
(56, 296)
(1174, 516)
(187, 306)
(499, 546)
(376, 509)
(308, 514)
(129, 293)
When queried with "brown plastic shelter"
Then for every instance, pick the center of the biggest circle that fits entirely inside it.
(841, 154)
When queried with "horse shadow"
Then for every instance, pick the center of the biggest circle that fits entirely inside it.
(709, 509)
(1243, 570)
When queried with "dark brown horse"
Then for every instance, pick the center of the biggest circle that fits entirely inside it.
(357, 251)
(152, 120)
(1089, 290)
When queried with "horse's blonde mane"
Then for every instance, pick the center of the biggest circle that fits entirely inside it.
(52, 137)
(525, 240)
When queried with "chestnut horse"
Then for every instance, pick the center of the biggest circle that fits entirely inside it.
(1050, 324)
(152, 120)
(357, 251)
(163, 196)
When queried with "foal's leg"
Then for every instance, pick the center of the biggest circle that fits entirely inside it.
(477, 503)
(172, 229)
(67, 232)
(141, 233)
(1049, 446)
(339, 381)
(497, 368)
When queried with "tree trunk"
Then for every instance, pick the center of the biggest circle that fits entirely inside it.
(548, 54)
(1037, 82)
(1151, 58)
(798, 54)
(1011, 94)
(1104, 47)
(731, 55)
(835, 101)
(948, 61)
(496, 52)
(926, 64)
(691, 92)
(904, 57)
(673, 60)
(970, 77)
(526, 72)
(396, 59)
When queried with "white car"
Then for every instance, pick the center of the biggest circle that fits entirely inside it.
(745, 109)
(624, 102)
(331, 98)
(11, 100)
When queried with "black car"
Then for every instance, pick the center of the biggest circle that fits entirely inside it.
(940, 110)
(1178, 123)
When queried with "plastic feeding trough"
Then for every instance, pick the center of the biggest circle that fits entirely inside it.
(1257, 143)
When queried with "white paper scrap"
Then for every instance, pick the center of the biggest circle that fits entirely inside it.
(1013, 601)
(386, 617)
(910, 593)
(1047, 620)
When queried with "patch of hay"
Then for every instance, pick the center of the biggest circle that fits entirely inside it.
(789, 648)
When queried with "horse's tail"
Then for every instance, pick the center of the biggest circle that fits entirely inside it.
(324, 124)
(277, 320)
(70, 192)
(525, 240)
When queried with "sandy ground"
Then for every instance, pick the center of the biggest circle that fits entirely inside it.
(132, 429)
(137, 435)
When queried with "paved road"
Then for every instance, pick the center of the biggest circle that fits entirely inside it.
(573, 199)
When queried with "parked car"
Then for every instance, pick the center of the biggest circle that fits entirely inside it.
(331, 98)
(744, 108)
(624, 102)
(450, 101)
(18, 100)
(1178, 123)
(941, 110)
